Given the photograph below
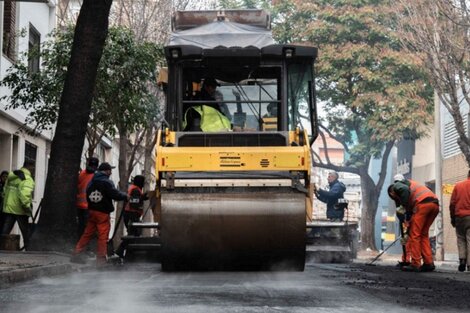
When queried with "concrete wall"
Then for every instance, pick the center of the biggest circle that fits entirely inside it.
(424, 169)
(454, 169)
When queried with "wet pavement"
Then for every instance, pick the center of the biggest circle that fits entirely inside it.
(16, 266)
(143, 287)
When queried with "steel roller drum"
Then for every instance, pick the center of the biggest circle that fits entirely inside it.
(233, 231)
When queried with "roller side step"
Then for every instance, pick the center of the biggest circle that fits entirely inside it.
(142, 247)
(331, 242)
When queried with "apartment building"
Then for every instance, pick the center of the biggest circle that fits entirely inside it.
(436, 160)
(35, 20)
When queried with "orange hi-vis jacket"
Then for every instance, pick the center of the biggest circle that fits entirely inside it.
(137, 207)
(460, 199)
(84, 179)
(418, 193)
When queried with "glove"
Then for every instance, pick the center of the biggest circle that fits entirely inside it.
(404, 239)
(401, 210)
(406, 224)
(145, 195)
(452, 221)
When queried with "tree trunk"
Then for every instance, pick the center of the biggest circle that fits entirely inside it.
(149, 163)
(122, 185)
(57, 225)
(370, 202)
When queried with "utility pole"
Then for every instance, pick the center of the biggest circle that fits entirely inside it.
(439, 221)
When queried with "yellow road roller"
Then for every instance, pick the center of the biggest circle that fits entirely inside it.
(233, 158)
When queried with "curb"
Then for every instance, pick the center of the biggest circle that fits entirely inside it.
(24, 274)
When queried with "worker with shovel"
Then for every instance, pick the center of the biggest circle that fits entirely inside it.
(421, 207)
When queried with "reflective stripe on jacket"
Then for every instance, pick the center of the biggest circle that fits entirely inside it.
(18, 193)
(84, 178)
(418, 193)
(211, 119)
(133, 189)
(101, 192)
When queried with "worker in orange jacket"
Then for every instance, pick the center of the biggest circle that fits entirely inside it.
(84, 178)
(133, 212)
(422, 207)
(134, 208)
(460, 219)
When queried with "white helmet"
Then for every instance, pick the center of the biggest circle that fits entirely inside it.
(398, 177)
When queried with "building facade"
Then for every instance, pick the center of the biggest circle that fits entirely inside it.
(35, 20)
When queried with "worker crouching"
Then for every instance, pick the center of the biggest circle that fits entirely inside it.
(421, 207)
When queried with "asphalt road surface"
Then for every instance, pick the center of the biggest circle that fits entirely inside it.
(144, 288)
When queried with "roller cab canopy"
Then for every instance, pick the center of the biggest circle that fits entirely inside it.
(222, 33)
(257, 78)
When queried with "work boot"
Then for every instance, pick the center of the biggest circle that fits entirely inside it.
(401, 264)
(463, 263)
(410, 268)
(115, 259)
(428, 267)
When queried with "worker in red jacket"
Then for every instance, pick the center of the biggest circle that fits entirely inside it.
(133, 212)
(422, 207)
(460, 219)
(84, 178)
(134, 208)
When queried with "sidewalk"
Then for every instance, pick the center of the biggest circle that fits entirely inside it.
(16, 266)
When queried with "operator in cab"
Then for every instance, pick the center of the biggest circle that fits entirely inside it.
(209, 117)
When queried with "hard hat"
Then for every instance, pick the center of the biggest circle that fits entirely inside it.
(398, 177)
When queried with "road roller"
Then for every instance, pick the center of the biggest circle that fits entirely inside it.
(233, 160)
(234, 196)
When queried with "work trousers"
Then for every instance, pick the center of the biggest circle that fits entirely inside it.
(462, 228)
(9, 222)
(129, 217)
(132, 217)
(82, 218)
(418, 241)
(406, 255)
(98, 222)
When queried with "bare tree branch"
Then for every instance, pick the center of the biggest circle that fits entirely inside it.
(439, 31)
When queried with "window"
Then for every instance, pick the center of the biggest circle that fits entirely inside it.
(450, 138)
(33, 49)
(300, 75)
(30, 152)
(9, 29)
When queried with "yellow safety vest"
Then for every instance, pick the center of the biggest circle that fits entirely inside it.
(211, 119)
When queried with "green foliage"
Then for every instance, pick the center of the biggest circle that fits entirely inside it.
(39, 93)
(283, 15)
(372, 91)
(123, 95)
